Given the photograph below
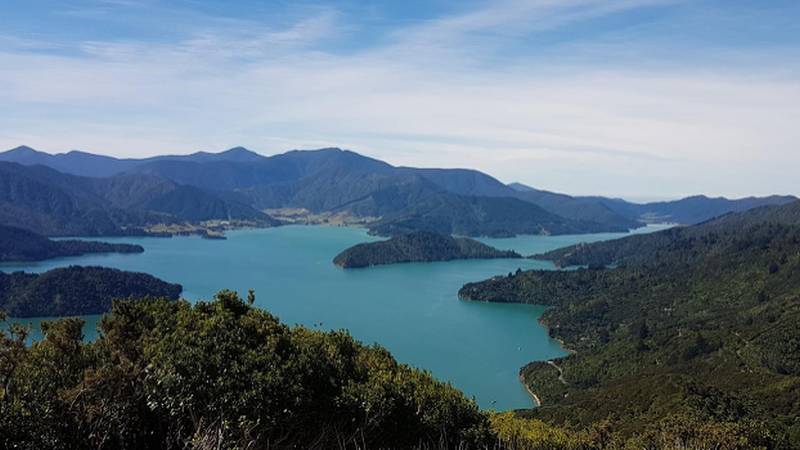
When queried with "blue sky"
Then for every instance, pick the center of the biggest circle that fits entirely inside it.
(634, 98)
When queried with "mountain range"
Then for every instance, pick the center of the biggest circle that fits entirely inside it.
(84, 193)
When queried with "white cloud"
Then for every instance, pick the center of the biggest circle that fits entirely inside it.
(428, 97)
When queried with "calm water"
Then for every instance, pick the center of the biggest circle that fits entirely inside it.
(411, 309)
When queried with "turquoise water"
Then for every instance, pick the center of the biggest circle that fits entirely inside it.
(411, 309)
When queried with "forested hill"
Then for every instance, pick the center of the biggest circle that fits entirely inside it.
(417, 247)
(75, 290)
(17, 244)
(52, 203)
(705, 327)
(722, 234)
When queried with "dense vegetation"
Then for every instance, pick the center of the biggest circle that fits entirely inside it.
(75, 290)
(417, 247)
(681, 242)
(17, 244)
(220, 374)
(224, 375)
(704, 326)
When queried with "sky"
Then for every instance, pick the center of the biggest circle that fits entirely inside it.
(641, 99)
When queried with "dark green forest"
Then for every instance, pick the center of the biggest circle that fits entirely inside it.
(417, 247)
(17, 244)
(76, 290)
(704, 325)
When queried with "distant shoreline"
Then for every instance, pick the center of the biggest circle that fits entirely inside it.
(537, 402)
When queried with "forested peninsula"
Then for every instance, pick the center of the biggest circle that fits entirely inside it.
(17, 245)
(75, 290)
(419, 246)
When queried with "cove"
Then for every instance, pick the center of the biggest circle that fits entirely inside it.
(411, 309)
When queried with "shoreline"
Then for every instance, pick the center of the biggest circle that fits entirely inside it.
(537, 402)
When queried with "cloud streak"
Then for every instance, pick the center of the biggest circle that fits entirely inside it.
(432, 93)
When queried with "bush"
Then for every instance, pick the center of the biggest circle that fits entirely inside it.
(221, 374)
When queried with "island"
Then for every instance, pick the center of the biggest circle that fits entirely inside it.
(76, 290)
(421, 246)
(17, 244)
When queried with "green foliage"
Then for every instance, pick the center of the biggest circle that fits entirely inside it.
(692, 323)
(675, 432)
(420, 246)
(76, 290)
(686, 244)
(221, 374)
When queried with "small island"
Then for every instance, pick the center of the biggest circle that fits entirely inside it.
(18, 245)
(75, 291)
(421, 246)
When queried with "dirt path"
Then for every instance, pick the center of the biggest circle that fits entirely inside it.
(560, 373)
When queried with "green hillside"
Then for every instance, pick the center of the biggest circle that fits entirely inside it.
(698, 322)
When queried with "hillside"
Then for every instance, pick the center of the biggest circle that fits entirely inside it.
(170, 374)
(691, 210)
(17, 244)
(650, 249)
(578, 208)
(703, 326)
(51, 203)
(74, 290)
(686, 211)
(417, 247)
(447, 213)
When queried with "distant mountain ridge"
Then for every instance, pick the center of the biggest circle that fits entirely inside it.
(456, 201)
(52, 203)
(686, 211)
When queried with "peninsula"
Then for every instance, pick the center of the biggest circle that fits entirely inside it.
(17, 244)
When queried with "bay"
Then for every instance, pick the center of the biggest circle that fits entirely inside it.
(411, 309)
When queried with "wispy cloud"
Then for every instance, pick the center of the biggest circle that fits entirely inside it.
(432, 93)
